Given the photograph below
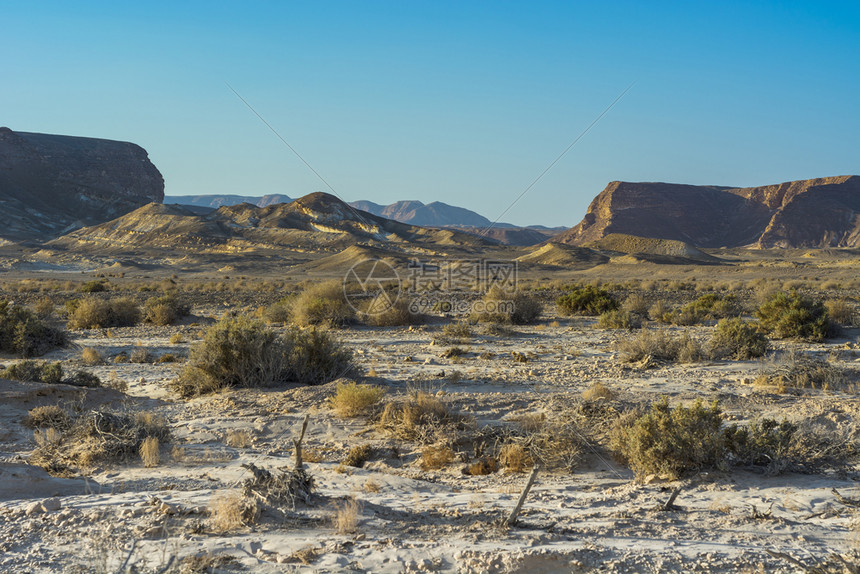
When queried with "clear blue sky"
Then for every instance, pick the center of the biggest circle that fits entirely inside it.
(460, 102)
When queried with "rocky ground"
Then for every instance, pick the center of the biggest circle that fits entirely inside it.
(596, 517)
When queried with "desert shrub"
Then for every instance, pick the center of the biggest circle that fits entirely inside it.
(140, 355)
(92, 357)
(321, 304)
(670, 441)
(454, 332)
(791, 315)
(277, 313)
(801, 371)
(841, 312)
(396, 315)
(435, 457)
(420, 417)
(515, 458)
(710, 306)
(84, 379)
(48, 416)
(149, 452)
(23, 333)
(44, 307)
(619, 319)
(177, 339)
(661, 312)
(100, 436)
(37, 371)
(764, 442)
(240, 352)
(501, 306)
(95, 313)
(483, 466)
(165, 310)
(346, 516)
(238, 438)
(358, 455)
(353, 399)
(658, 345)
(587, 300)
(738, 339)
(637, 304)
(95, 286)
(598, 391)
(168, 358)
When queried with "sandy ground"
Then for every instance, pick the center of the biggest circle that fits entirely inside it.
(596, 518)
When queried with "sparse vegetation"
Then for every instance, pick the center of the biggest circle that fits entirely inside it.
(710, 306)
(150, 452)
(587, 300)
(419, 417)
(434, 457)
(658, 345)
(36, 371)
(738, 339)
(323, 304)
(514, 307)
(794, 371)
(231, 511)
(165, 310)
(346, 516)
(352, 399)
(619, 319)
(841, 312)
(92, 357)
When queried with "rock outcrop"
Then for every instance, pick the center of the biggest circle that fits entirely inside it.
(52, 184)
(810, 213)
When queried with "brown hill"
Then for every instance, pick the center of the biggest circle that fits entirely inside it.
(810, 213)
(51, 184)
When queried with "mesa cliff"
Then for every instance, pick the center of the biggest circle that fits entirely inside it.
(53, 184)
(819, 212)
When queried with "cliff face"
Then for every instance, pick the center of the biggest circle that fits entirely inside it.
(51, 184)
(810, 213)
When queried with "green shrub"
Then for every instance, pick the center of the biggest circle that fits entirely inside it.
(396, 315)
(587, 300)
(619, 319)
(24, 334)
(352, 399)
(95, 313)
(764, 442)
(165, 310)
(37, 371)
(659, 345)
(792, 316)
(710, 306)
(323, 304)
(96, 286)
(240, 352)
(738, 339)
(671, 442)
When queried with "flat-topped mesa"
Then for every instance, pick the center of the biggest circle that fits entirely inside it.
(52, 184)
(810, 213)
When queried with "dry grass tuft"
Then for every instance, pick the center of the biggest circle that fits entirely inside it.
(436, 457)
(358, 455)
(515, 458)
(231, 511)
(92, 357)
(346, 516)
(598, 391)
(482, 467)
(419, 417)
(149, 452)
(238, 438)
(353, 399)
(48, 416)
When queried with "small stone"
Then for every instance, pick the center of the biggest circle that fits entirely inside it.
(34, 508)
(51, 504)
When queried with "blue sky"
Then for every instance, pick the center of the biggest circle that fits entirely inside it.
(460, 102)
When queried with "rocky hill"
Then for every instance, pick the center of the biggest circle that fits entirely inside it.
(216, 201)
(318, 223)
(809, 213)
(52, 184)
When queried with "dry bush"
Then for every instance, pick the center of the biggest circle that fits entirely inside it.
(842, 312)
(619, 319)
(321, 304)
(150, 452)
(238, 438)
(455, 332)
(598, 391)
(352, 399)
(101, 436)
(92, 357)
(635, 303)
(531, 422)
(282, 489)
(710, 306)
(231, 511)
(358, 455)
(37, 371)
(24, 334)
(658, 345)
(346, 516)
(501, 306)
(397, 315)
(168, 358)
(436, 457)
(94, 286)
(44, 308)
(737, 339)
(670, 442)
(515, 458)
(48, 416)
(140, 355)
(165, 310)
(800, 371)
(420, 417)
(177, 339)
(483, 466)
(95, 313)
(793, 316)
(661, 312)
(240, 352)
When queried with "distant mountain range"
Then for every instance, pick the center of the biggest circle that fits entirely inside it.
(412, 212)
